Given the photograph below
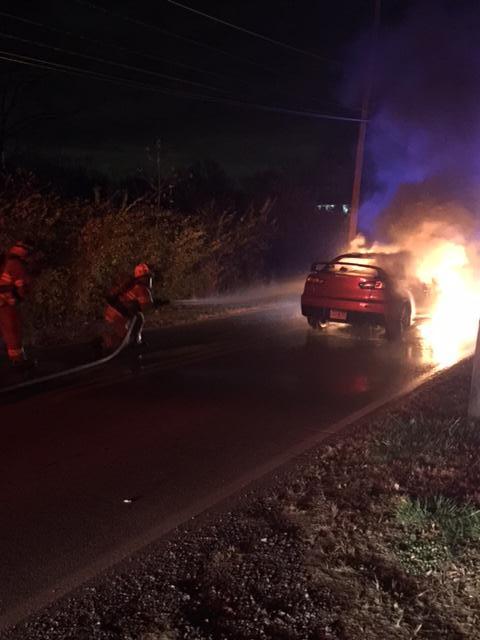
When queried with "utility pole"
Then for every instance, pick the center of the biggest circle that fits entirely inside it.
(474, 400)
(362, 129)
(158, 150)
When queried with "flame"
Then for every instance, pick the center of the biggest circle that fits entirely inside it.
(451, 329)
(361, 245)
(447, 265)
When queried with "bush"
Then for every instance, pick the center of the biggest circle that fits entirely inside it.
(49, 307)
(90, 246)
(108, 248)
(28, 210)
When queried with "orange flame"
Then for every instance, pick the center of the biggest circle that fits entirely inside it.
(445, 262)
(451, 329)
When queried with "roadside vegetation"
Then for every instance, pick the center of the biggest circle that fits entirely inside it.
(202, 233)
(375, 536)
(89, 245)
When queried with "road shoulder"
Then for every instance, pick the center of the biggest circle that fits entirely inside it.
(292, 555)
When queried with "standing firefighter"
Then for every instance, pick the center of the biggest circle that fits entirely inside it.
(124, 304)
(15, 280)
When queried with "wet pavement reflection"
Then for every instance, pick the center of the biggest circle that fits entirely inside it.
(213, 403)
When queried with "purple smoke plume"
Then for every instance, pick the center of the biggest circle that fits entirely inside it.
(423, 137)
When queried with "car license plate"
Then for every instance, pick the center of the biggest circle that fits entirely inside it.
(338, 315)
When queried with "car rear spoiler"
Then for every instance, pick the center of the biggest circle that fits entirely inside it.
(381, 272)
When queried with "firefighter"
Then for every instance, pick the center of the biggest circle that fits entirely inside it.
(15, 280)
(125, 303)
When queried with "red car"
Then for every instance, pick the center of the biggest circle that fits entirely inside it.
(357, 288)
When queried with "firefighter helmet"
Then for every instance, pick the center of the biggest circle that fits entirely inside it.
(142, 270)
(143, 274)
(20, 249)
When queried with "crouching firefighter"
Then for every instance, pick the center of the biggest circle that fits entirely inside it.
(15, 281)
(127, 304)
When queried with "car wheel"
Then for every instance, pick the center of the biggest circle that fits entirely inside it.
(313, 322)
(397, 326)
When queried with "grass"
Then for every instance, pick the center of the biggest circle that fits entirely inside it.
(427, 436)
(435, 530)
(460, 523)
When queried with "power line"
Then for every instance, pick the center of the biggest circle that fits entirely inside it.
(111, 62)
(68, 69)
(30, 61)
(122, 49)
(231, 25)
(9, 56)
(117, 47)
(285, 110)
(39, 63)
(129, 67)
(171, 34)
(153, 27)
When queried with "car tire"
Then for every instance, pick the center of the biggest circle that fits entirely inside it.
(396, 327)
(313, 322)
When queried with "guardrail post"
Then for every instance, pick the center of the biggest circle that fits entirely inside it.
(474, 402)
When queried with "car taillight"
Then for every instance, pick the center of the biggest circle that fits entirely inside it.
(372, 284)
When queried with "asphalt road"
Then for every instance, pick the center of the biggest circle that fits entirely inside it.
(98, 467)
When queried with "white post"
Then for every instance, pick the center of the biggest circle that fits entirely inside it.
(474, 403)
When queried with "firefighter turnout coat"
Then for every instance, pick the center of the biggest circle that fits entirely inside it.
(14, 283)
(133, 297)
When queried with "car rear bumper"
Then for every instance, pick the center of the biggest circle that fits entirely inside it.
(357, 310)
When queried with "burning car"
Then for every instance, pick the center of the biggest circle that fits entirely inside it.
(359, 288)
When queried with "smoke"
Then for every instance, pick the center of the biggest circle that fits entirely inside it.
(423, 139)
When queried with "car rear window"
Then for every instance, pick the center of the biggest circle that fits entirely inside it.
(351, 267)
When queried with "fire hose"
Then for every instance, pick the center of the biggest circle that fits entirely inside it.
(135, 323)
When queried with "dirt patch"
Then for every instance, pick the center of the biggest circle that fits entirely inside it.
(376, 536)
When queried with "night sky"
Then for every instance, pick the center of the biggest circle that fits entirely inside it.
(109, 125)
